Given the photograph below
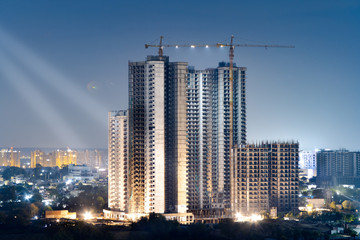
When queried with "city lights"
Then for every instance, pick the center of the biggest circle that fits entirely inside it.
(27, 197)
(88, 216)
(253, 218)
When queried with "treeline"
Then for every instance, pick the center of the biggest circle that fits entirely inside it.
(157, 228)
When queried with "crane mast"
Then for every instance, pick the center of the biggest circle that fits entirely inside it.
(231, 46)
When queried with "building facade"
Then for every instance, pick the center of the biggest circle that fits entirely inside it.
(157, 136)
(178, 137)
(307, 164)
(208, 121)
(10, 157)
(338, 167)
(118, 165)
(93, 158)
(265, 176)
(65, 157)
(43, 159)
(307, 159)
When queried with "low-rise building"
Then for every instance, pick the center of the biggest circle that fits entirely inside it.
(58, 214)
(81, 173)
(264, 176)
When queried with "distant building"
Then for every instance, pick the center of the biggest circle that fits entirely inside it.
(265, 176)
(93, 158)
(25, 162)
(59, 214)
(307, 159)
(9, 157)
(39, 157)
(81, 173)
(307, 163)
(65, 157)
(338, 167)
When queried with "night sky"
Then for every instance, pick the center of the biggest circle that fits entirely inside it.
(64, 65)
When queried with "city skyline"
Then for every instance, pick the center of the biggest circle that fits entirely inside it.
(61, 75)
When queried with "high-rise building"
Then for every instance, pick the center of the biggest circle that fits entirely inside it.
(307, 159)
(118, 166)
(65, 157)
(178, 126)
(10, 157)
(338, 167)
(36, 158)
(307, 164)
(92, 158)
(265, 176)
(208, 118)
(57, 158)
(157, 136)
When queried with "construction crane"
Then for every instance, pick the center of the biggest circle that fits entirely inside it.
(231, 46)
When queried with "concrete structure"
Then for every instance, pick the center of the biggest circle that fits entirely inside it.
(316, 203)
(118, 166)
(208, 152)
(265, 176)
(182, 218)
(178, 138)
(157, 136)
(338, 167)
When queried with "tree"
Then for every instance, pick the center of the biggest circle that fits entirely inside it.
(318, 193)
(18, 216)
(7, 193)
(100, 202)
(349, 218)
(347, 205)
(34, 210)
(333, 205)
(12, 172)
(36, 197)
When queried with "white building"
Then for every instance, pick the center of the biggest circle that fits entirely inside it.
(81, 173)
(307, 164)
(118, 166)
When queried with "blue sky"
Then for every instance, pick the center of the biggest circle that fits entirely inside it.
(63, 65)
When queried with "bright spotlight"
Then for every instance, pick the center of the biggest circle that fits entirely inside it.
(88, 216)
(27, 197)
(192, 46)
(253, 218)
(69, 181)
(176, 46)
(207, 46)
